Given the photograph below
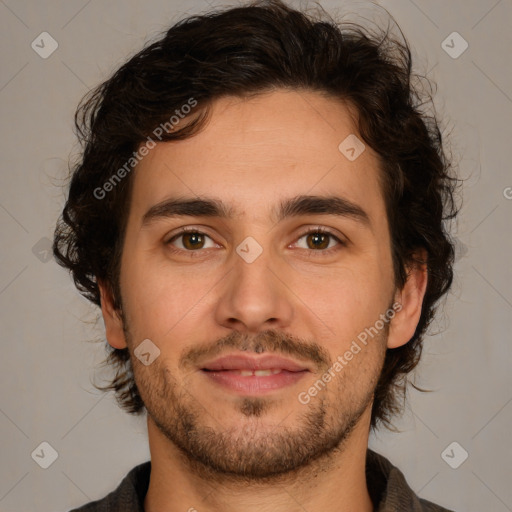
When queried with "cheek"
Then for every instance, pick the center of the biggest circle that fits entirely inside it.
(345, 299)
(161, 301)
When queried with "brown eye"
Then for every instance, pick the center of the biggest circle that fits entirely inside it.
(318, 240)
(193, 241)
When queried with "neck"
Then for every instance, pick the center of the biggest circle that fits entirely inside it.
(335, 483)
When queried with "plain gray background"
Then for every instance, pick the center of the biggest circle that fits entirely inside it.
(46, 365)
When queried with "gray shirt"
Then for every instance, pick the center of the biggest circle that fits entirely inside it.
(386, 484)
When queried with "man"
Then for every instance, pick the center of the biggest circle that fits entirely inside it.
(259, 214)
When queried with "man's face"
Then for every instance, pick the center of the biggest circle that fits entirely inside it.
(202, 296)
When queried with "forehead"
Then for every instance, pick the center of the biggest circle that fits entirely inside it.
(253, 153)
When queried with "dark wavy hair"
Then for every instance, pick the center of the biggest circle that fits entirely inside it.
(241, 52)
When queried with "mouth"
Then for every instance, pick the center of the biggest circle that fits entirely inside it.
(255, 375)
(250, 373)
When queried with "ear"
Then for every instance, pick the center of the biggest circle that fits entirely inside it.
(112, 318)
(404, 323)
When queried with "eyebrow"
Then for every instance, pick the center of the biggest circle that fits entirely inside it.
(292, 207)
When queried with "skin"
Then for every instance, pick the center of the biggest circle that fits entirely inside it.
(312, 301)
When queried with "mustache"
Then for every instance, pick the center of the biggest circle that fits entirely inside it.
(270, 341)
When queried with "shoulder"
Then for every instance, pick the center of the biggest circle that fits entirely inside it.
(129, 495)
(428, 506)
(389, 489)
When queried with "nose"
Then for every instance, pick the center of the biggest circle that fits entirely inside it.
(253, 298)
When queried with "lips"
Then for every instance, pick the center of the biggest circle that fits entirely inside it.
(245, 363)
(254, 375)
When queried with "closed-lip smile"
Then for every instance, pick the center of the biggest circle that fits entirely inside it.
(254, 375)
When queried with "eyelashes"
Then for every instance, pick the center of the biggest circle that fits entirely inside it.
(192, 242)
(195, 235)
(325, 234)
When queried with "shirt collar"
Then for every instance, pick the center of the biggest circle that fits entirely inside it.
(386, 484)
